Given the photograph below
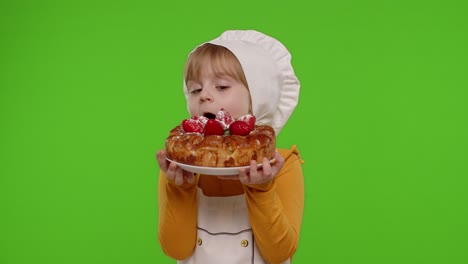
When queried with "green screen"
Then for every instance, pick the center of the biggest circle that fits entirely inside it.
(90, 89)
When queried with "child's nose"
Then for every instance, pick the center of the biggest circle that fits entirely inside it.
(205, 96)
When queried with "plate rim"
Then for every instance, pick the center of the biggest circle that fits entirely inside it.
(224, 170)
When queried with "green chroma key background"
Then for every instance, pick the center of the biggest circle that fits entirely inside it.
(90, 89)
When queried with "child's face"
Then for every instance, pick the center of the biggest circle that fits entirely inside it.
(209, 93)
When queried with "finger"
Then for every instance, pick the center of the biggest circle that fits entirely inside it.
(266, 167)
(179, 177)
(253, 172)
(243, 177)
(189, 176)
(161, 157)
(279, 158)
(171, 171)
(278, 164)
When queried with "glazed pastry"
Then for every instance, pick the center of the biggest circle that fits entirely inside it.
(220, 141)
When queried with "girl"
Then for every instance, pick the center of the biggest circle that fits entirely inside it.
(253, 217)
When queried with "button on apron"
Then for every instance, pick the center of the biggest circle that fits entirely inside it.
(244, 243)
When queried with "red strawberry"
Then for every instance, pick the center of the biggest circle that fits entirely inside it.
(213, 127)
(250, 119)
(240, 128)
(224, 118)
(192, 126)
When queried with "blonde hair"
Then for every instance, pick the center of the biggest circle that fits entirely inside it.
(221, 60)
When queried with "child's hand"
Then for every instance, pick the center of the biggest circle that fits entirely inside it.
(173, 172)
(264, 174)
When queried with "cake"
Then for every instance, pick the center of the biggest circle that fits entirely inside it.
(220, 141)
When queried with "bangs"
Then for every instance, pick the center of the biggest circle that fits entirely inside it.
(218, 60)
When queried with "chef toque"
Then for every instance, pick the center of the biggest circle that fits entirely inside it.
(273, 86)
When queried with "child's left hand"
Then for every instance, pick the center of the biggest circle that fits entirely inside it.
(263, 175)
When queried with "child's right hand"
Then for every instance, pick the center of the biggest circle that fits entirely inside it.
(173, 172)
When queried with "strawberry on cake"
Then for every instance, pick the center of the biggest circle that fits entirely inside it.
(220, 141)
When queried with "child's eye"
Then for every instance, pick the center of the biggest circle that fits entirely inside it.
(221, 87)
(195, 91)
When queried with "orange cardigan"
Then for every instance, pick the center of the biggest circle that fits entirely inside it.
(275, 210)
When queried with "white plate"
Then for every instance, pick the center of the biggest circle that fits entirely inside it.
(217, 171)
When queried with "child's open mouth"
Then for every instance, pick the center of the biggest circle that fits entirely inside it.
(209, 115)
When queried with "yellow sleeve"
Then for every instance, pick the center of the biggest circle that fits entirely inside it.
(276, 209)
(177, 230)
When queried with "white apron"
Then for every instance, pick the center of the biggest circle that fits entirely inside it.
(224, 232)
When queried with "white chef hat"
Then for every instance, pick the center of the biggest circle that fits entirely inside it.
(274, 88)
